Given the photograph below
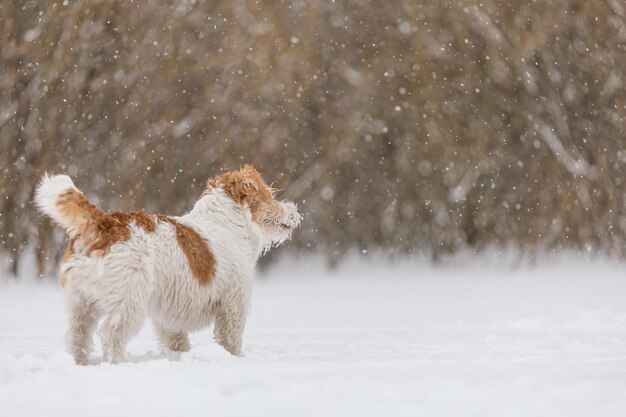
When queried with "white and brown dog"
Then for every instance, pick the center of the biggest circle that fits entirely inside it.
(182, 272)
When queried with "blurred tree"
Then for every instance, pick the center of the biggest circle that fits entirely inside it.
(403, 126)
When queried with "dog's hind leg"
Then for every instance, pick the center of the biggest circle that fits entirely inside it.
(171, 340)
(83, 321)
(119, 327)
(125, 310)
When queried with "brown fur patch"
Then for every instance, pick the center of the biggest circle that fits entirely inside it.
(200, 258)
(75, 207)
(112, 228)
(93, 232)
(143, 220)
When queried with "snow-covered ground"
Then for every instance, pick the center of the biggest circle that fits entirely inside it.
(369, 339)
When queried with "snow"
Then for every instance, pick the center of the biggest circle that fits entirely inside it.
(369, 339)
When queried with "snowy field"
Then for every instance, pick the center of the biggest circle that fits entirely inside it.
(369, 339)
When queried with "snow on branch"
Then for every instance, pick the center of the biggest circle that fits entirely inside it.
(459, 192)
(576, 166)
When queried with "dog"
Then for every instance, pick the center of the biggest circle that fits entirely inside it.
(184, 273)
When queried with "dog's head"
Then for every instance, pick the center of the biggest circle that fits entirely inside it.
(277, 219)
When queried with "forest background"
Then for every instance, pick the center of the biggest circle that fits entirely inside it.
(398, 127)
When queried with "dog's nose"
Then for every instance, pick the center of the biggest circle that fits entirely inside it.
(296, 218)
(293, 217)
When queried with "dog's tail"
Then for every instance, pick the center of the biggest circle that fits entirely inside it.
(57, 197)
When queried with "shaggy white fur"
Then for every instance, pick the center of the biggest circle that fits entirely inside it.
(48, 191)
(149, 275)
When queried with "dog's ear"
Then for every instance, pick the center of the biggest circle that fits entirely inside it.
(239, 185)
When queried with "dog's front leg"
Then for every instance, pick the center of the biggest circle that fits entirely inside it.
(230, 318)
